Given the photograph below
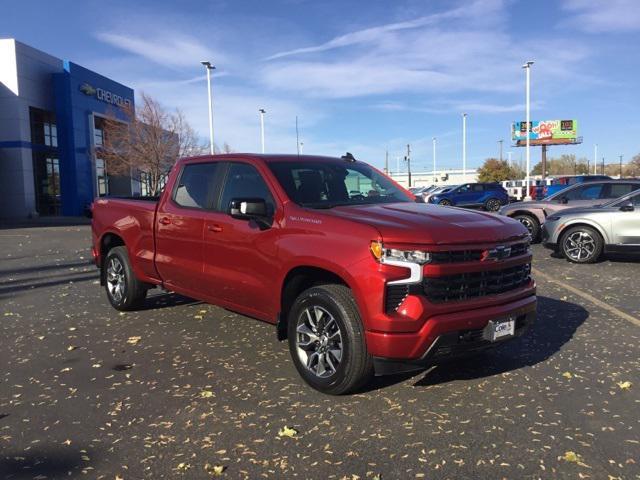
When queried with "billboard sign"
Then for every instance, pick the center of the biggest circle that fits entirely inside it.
(545, 130)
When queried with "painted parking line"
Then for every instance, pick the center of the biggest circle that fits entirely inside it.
(590, 298)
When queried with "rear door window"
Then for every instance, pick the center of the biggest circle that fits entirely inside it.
(196, 187)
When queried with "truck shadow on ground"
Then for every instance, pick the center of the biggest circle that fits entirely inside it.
(556, 325)
(53, 462)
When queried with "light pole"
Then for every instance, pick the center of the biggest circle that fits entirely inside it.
(595, 159)
(464, 145)
(527, 68)
(621, 166)
(435, 179)
(209, 67)
(500, 142)
(262, 112)
(509, 157)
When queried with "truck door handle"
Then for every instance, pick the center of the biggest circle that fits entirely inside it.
(165, 220)
(214, 228)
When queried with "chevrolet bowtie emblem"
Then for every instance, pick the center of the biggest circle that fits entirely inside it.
(499, 253)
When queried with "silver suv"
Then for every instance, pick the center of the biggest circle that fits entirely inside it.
(583, 234)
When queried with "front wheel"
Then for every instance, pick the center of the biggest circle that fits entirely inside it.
(531, 223)
(326, 340)
(581, 245)
(492, 205)
(445, 203)
(124, 290)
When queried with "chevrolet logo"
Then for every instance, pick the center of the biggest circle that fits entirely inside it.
(87, 89)
(499, 253)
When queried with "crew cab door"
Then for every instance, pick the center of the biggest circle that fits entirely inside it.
(240, 255)
(180, 225)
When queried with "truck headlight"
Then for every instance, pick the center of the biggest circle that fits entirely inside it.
(383, 254)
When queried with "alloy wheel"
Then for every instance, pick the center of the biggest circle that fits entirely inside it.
(579, 246)
(493, 205)
(116, 282)
(319, 341)
(528, 223)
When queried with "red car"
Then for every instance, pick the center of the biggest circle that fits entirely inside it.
(345, 263)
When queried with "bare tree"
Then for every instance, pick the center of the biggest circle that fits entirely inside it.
(147, 141)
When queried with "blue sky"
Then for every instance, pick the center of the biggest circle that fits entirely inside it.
(364, 76)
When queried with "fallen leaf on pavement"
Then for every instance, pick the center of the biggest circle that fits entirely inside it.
(287, 432)
(134, 340)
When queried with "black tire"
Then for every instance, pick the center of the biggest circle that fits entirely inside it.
(132, 292)
(445, 203)
(492, 205)
(581, 244)
(531, 223)
(354, 368)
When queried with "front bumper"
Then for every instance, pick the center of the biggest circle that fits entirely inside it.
(445, 336)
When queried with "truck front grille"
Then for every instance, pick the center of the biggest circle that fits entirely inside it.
(459, 256)
(464, 286)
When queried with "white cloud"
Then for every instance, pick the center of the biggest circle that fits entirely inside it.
(170, 49)
(598, 16)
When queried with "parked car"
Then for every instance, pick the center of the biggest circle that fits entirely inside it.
(436, 189)
(359, 283)
(560, 183)
(490, 196)
(533, 214)
(582, 235)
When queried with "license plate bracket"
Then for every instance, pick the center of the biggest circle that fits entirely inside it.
(500, 329)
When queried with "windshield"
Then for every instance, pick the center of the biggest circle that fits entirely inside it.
(332, 184)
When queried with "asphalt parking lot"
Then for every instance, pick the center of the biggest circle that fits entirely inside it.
(186, 390)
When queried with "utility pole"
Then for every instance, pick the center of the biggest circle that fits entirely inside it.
(464, 145)
(595, 159)
(602, 165)
(527, 67)
(209, 67)
(408, 160)
(500, 142)
(544, 161)
(621, 166)
(435, 175)
(386, 162)
(297, 137)
(262, 112)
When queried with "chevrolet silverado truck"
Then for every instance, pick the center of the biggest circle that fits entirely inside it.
(352, 271)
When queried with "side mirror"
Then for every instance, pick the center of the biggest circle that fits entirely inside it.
(627, 208)
(250, 209)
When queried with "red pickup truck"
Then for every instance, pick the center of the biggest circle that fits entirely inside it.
(358, 276)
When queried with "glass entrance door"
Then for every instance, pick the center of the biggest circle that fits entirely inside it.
(47, 184)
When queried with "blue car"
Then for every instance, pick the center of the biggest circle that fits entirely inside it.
(490, 196)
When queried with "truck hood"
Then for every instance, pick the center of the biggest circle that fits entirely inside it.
(419, 223)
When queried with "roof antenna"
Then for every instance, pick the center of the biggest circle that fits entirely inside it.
(297, 137)
(348, 157)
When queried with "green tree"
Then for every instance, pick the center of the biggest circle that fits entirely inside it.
(494, 170)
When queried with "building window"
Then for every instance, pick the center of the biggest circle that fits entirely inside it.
(43, 127)
(98, 131)
(101, 178)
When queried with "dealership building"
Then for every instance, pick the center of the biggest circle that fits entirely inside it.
(51, 117)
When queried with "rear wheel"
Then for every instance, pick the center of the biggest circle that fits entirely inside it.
(581, 245)
(531, 223)
(124, 290)
(326, 340)
(445, 203)
(492, 205)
